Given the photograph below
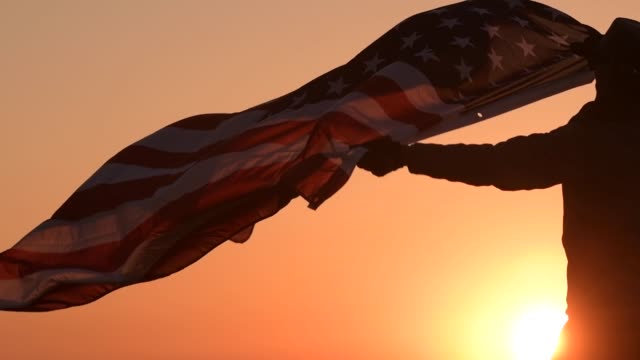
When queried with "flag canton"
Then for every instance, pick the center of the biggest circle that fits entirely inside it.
(463, 49)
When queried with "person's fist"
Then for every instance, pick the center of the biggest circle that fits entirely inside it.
(383, 156)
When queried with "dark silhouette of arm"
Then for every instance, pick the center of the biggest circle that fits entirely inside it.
(524, 162)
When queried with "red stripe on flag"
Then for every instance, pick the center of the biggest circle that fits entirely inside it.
(105, 197)
(393, 99)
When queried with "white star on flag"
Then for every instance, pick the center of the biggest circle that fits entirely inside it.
(337, 86)
(464, 70)
(427, 54)
(481, 11)
(492, 31)
(560, 39)
(372, 65)
(410, 40)
(521, 21)
(450, 23)
(462, 42)
(496, 60)
(526, 47)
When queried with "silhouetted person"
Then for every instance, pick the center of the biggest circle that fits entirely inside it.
(596, 158)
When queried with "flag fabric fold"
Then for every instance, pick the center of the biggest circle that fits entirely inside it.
(167, 200)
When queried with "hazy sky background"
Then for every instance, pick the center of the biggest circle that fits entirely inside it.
(403, 267)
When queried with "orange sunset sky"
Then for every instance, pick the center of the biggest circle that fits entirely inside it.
(402, 267)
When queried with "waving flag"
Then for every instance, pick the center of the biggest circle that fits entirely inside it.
(170, 198)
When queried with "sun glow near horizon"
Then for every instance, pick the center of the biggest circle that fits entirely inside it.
(536, 332)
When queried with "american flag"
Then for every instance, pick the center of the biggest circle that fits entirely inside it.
(165, 201)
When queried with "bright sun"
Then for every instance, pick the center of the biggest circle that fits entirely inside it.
(535, 333)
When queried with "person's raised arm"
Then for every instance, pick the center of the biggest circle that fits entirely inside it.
(525, 162)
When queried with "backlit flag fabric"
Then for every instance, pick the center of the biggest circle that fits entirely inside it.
(167, 200)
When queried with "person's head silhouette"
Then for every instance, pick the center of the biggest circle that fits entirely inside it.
(616, 62)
